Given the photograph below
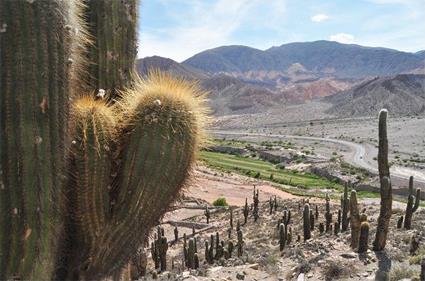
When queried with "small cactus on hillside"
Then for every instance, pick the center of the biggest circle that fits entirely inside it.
(207, 214)
(345, 205)
(306, 222)
(354, 220)
(245, 211)
(364, 237)
(412, 204)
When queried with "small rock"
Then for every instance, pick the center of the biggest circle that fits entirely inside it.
(351, 255)
(240, 276)
(301, 277)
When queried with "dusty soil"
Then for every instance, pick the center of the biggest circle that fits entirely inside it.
(210, 185)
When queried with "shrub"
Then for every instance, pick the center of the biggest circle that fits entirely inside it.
(402, 271)
(221, 201)
(257, 175)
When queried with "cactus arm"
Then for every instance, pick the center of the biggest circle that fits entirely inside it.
(417, 200)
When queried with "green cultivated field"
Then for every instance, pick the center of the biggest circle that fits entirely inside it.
(252, 167)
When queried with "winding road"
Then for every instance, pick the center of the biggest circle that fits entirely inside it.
(356, 157)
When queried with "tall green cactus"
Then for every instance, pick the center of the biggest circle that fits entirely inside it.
(112, 26)
(38, 60)
(386, 189)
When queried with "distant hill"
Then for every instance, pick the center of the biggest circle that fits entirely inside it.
(421, 54)
(314, 59)
(401, 94)
(165, 64)
(227, 95)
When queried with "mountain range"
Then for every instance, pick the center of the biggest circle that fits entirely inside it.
(353, 78)
(319, 58)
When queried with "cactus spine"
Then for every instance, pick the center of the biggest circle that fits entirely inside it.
(38, 64)
(306, 221)
(354, 220)
(386, 189)
(412, 204)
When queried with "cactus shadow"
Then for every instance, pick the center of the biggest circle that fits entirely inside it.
(384, 266)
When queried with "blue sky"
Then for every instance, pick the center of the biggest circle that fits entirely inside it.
(179, 29)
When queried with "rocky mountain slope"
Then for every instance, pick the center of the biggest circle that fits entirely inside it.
(314, 59)
(401, 94)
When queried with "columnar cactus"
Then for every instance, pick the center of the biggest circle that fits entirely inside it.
(256, 210)
(240, 243)
(271, 205)
(209, 253)
(230, 248)
(354, 220)
(231, 219)
(345, 205)
(412, 204)
(39, 64)
(364, 237)
(282, 237)
(306, 222)
(190, 263)
(207, 214)
(176, 234)
(386, 189)
(328, 214)
(246, 211)
(311, 220)
(400, 222)
(317, 212)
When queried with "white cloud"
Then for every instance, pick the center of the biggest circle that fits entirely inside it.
(342, 38)
(206, 25)
(319, 17)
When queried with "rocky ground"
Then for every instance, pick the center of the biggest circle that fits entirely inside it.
(326, 256)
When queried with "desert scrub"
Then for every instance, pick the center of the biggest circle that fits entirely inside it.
(404, 271)
(220, 202)
(335, 270)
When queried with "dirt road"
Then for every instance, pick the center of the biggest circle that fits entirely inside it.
(357, 156)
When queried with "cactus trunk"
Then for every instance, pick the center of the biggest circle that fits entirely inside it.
(36, 68)
(354, 220)
(112, 25)
(386, 189)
